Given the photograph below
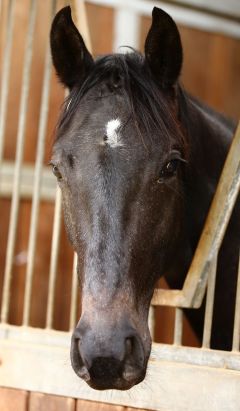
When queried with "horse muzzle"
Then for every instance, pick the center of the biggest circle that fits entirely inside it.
(108, 355)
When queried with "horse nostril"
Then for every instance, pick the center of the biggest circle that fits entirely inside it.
(134, 350)
(129, 346)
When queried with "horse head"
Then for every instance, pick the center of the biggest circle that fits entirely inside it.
(119, 158)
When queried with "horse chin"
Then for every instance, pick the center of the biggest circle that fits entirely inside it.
(125, 382)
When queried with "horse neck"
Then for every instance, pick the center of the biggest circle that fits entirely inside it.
(209, 137)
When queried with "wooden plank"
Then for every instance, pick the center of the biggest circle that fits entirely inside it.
(43, 402)
(133, 409)
(83, 405)
(100, 20)
(97, 406)
(13, 400)
(168, 376)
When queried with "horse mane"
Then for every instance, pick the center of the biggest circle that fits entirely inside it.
(151, 107)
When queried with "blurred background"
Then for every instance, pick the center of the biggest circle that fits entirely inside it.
(210, 32)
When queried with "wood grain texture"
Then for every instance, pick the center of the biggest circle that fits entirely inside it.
(100, 21)
(45, 402)
(97, 406)
(13, 400)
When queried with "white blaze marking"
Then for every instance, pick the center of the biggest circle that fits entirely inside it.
(113, 138)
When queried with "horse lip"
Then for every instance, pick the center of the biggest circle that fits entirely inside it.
(130, 377)
(119, 384)
(83, 374)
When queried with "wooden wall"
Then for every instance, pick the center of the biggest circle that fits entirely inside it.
(17, 400)
(211, 72)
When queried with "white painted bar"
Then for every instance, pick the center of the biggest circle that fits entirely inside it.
(188, 355)
(18, 162)
(230, 7)
(178, 327)
(126, 29)
(38, 175)
(151, 321)
(5, 75)
(54, 259)
(236, 330)
(187, 17)
(209, 304)
(47, 183)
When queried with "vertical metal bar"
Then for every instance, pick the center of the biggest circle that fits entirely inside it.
(209, 304)
(37, 177)
(18, 163)
(126, 28)
(74, 295)
(151, 321)
(54, 258)
(236, 329)
(178, 327)
(5, 75)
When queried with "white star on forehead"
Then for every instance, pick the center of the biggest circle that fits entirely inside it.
(113, 136)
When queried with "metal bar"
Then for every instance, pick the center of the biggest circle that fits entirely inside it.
(209, 304)
(178, 327)
(5, 75)
(151, 322)
(19, 156)
(37, 178)
(47, 186)
(236, 329)
(169, 298)
(126, 29)
(54, 258)
(74, 295)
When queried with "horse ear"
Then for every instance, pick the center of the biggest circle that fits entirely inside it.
(70, 56)
(163, 49)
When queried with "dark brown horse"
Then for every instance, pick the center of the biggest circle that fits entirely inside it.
(137, 160)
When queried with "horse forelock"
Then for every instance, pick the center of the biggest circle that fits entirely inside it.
(150, 107)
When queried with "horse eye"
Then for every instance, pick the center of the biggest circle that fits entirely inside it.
(56, 172)
(169, 169)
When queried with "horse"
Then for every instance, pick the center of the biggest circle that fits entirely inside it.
(137, 159)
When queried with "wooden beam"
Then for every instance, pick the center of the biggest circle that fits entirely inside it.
(45, 402)
(13, 400)
(97, 406)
